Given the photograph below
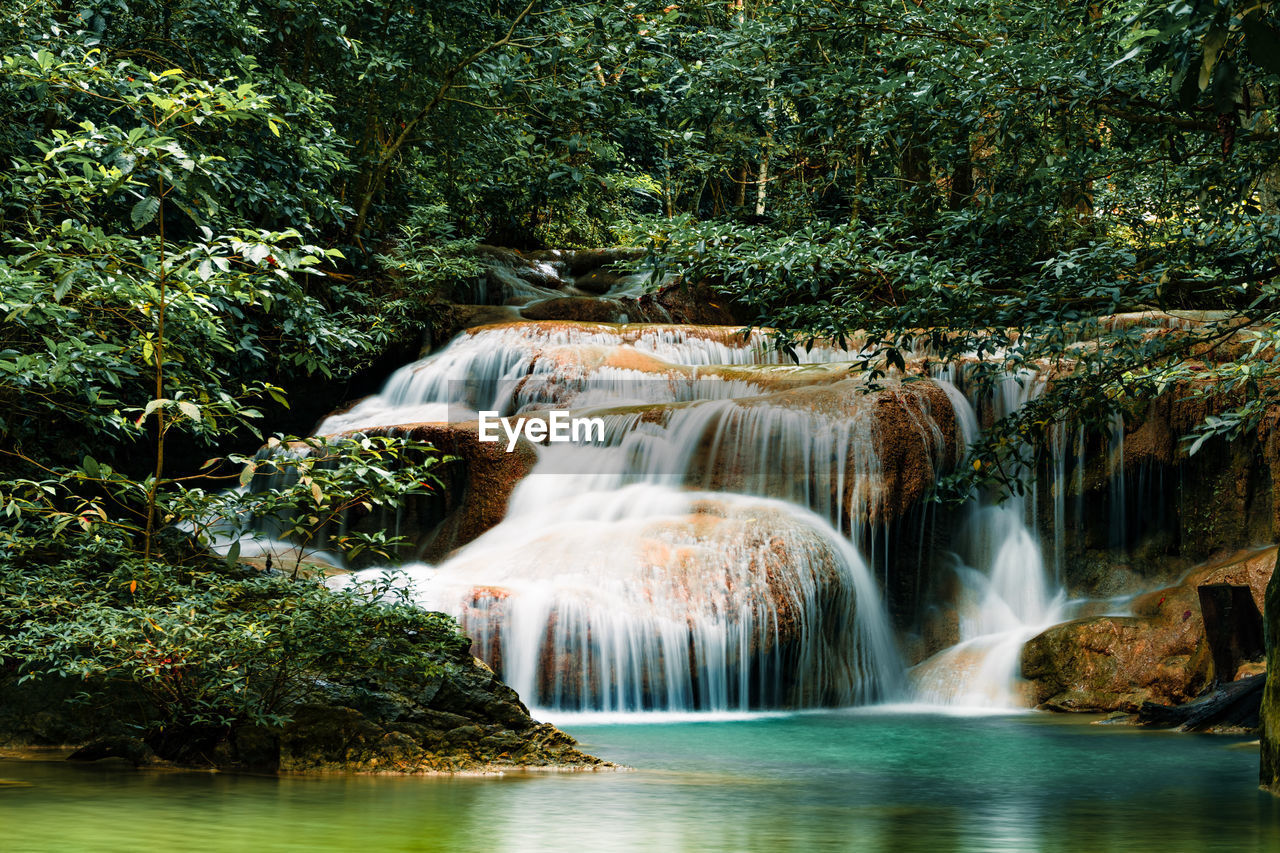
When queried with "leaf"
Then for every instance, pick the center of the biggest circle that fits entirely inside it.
(1263, 44)
(1195, 446)
(1225, 88)
(1213, 41)
(246, 473)
(1130, 55)
(189, 409)
(144, 211)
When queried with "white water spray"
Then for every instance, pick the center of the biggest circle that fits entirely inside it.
(1006, 594)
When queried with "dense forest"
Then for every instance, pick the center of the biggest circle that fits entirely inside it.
(218, 218)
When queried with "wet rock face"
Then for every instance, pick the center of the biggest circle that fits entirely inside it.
(918, 441)
(1159, 654)
(1177, 510)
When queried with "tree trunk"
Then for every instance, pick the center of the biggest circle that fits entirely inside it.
(762, 180)
(1233, 627)
(961, 184)
(1269, 772)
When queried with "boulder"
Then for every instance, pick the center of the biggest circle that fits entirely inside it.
(597, 282)
(465, 721)
(1105, 664)
(1158, 654)
(577, 308)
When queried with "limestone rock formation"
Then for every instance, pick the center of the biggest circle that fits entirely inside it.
(1158, 654)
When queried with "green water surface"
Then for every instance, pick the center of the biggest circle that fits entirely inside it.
(832, 781)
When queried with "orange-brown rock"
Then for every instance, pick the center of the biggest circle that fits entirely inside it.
(577, 308)
(913, 440)
(479, 482)
(916, 428)
(1158, 654)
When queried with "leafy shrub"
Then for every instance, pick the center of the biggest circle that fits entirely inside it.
(182, 656)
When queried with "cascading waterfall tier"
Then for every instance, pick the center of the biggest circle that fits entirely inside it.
(693, 557)
(1005, 593)
(518, 367)
(652, 598)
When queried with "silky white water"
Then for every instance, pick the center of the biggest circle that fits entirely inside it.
(706, 554)
(1006, 595)
(522, 366)
(651, 597)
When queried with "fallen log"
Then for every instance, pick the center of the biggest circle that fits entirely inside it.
(1233, 705)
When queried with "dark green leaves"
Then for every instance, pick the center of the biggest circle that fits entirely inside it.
(144, 211)
(1263, 41)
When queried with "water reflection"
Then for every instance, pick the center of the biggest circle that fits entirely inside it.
(858, 781)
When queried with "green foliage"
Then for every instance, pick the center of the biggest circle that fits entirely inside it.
(296, 489)
(310, 485)
(980, 186)
(429, 263)
(168, 208)
(186, 655)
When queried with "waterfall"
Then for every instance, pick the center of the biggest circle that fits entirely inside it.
(693, 558)
(707, 552)
(653, 598)
(520, 366)
(1006, 594)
